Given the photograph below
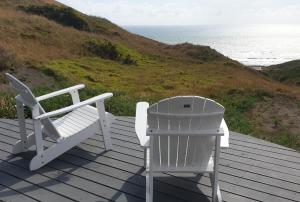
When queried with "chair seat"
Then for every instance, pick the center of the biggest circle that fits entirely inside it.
(76, 121)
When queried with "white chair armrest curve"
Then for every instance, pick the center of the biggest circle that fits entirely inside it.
(60, 92)
(141, 123)
(225, 137)
(75, 106)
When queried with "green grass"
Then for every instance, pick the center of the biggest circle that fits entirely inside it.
(150, 78)
(7, 105)
(237, 104)
(287, 139)
(120, 104)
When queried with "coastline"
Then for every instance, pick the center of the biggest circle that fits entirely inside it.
(252, 45)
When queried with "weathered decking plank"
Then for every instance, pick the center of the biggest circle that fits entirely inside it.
(267, 173)
(9, 194)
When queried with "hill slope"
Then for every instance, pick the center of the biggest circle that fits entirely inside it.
(288, 72)
(50, 46)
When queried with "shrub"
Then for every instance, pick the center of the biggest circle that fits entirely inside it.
(108, 50)
(49, 72)
(62, 15)
(128, 60)
(105, 50)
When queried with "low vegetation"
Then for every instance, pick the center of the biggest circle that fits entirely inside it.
(238, 103)
(194, 52)
(120, 104)
(108, 50)
(62, 15)
(288, 72)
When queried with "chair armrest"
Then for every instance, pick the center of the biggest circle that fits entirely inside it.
(75, 106)
(141, 123)
(225, 137)
(60, 92)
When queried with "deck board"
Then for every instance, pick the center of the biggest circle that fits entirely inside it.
(250, 170)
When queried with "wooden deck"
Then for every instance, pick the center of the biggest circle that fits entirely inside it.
(250, 170)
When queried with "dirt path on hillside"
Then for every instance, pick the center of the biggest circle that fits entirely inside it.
(29, 76)
(277, 114)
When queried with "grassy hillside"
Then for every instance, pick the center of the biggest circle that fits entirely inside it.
(288, 72)
(50, 46)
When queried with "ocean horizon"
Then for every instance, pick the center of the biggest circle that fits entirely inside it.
(252, 45)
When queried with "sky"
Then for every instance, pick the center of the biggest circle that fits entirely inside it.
(191, 12)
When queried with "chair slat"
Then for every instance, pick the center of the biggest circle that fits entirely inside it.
(174, 125)
(153, 126)
(156, 152)
(198, 109)
(163, 123)
(182, 151)
(212, 121)
(173, 150)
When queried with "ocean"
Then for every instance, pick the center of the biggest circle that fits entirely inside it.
(252, 45)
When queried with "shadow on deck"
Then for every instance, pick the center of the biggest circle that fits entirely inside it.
(250, 170)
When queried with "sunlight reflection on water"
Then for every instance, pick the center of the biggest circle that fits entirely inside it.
(254, 45)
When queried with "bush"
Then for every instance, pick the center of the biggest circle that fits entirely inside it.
(49, 72)
(128, 60)
(62, 15)
(7, 59)
(105, 50)
(108, 50)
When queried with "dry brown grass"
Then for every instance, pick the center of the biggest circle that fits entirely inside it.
(36, 39)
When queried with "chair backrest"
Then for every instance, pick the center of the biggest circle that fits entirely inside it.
(178, 127)
(30, 101)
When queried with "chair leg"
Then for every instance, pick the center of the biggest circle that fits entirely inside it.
(215, 189)
(19, 146)
(149, 187)
(21, 119)
(104, 125)
(145, 157)
(216, 193)
(149, 176)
